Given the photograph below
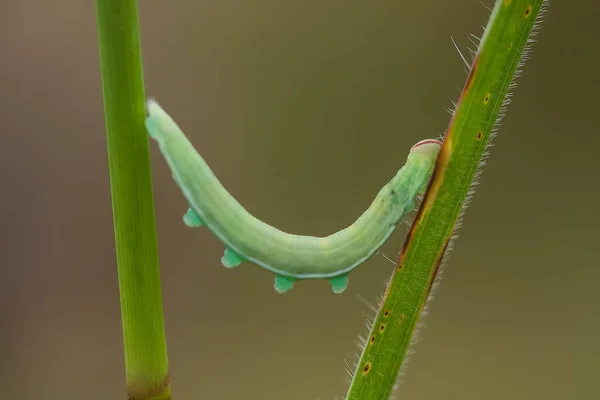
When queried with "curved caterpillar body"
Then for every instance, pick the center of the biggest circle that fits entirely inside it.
(290, 257)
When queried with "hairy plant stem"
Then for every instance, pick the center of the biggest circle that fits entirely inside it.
(502, 51)
(146, 363)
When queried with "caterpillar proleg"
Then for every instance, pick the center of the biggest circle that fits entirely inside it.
(290, 257)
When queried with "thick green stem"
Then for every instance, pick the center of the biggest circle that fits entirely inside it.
(146, 363)
(483, 100)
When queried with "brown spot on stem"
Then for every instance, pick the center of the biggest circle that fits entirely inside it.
(372, 340)
(479, 135)
(386, 313)
(381, 328)
(366, 368)
(486, 99)
(401, 318)
(528, 11)
(506, 2)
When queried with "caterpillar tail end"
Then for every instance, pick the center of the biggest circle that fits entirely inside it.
(192, 219)
(283, 284)
(339, 283)
(231, 259)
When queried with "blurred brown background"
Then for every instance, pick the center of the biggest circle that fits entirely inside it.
(304, 109)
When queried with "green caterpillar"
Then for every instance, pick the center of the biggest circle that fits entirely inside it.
(290, 257)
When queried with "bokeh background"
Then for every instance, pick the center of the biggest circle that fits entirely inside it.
(304, 109)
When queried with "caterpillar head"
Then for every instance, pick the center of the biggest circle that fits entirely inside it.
(428, 147)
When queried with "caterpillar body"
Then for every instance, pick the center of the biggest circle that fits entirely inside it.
(290, 257)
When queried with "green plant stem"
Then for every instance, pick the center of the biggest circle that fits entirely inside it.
(482, 102)
(146, 363)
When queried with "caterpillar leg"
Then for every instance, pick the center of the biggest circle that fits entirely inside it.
(231, 259)
(192, 219)
(339, 283)
(283, 284)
